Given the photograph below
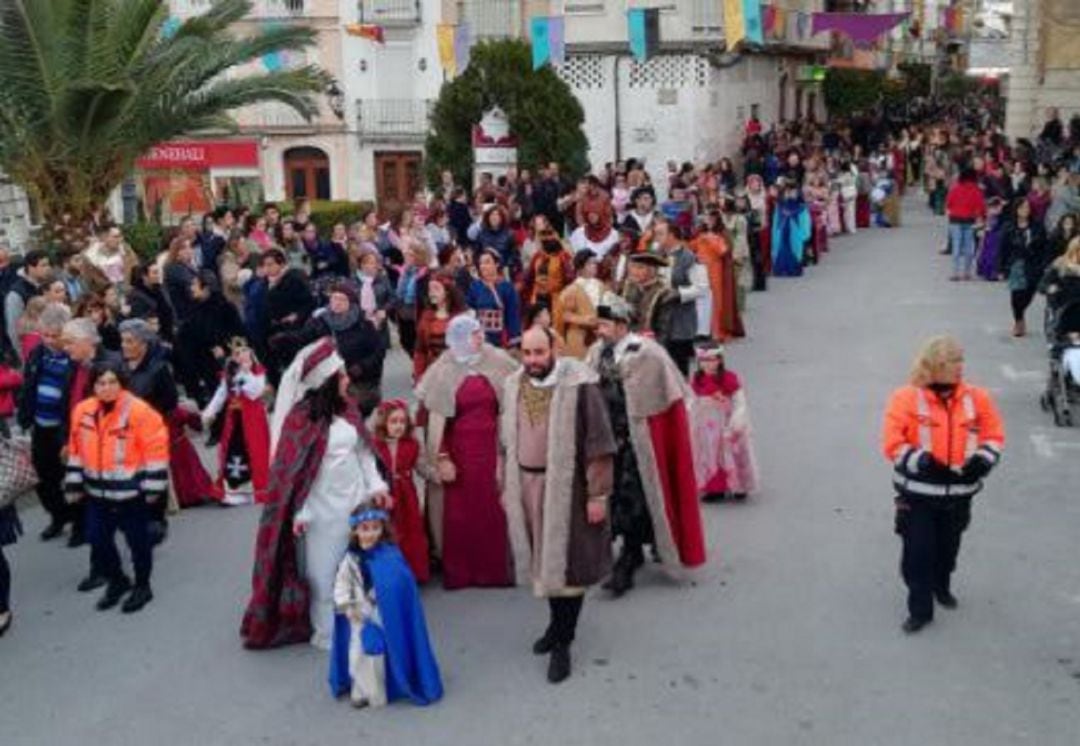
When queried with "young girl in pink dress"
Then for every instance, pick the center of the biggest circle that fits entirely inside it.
(724, 459)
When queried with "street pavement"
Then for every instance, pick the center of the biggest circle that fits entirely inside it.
(789, 635)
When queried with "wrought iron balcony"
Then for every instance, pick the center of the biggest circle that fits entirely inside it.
(390, 12)
(491, 19)
(279, 8)
(393, 119)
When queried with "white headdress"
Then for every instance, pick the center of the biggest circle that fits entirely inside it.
(313, 366)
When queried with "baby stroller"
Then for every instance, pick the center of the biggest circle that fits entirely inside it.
(1063, 341)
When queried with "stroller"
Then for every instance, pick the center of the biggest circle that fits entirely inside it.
(1063, 341)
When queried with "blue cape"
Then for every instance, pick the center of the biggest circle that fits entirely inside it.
(411, 670)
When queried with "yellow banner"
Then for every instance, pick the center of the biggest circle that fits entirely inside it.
(444, 34)
(734, 23)
(1061, 25)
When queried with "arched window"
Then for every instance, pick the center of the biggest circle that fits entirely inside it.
(307, 173)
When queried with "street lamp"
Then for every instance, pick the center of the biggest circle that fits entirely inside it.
(336, 98)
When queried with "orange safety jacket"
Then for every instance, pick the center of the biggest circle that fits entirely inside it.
(918, 421)
(119, 454)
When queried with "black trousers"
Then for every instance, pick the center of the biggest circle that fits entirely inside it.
(565, 612)
(131, 518)
(407, 334)
(45, 446)
(931, 531)
(681, 352)
(1021, 299)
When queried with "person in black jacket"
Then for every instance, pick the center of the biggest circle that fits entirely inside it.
(290, 303)
(147, 300)
(213, 323)
(1024, 257)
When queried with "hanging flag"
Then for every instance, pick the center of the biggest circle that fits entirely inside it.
(541, 44)
(802, 25)
(444, 36)
(768, 19)
(462, 46)
(644, 32)
(734, 24)
(371, 31)
(780, 22)
(557, 39)
(861, 28)
(752, 21)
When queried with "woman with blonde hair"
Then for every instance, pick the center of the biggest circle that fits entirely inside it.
(1061, 283)
(943, 436)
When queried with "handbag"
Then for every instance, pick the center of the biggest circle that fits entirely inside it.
(17, 473)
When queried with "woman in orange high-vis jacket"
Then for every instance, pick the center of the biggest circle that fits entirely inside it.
(118, 455)
(943, 436)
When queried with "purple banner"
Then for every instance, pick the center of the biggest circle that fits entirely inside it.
(863, 29)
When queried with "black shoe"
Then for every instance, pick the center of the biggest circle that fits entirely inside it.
(77, 539)
(622, 580)
(559, 665)
(946, 599)
(544, 645)
(139, 598)
(912, 625)
(714, 497)
(51, 531)
(739, 496)
(91, 583)
(116, 590)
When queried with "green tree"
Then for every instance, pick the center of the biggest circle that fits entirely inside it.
(543, 112)
(87, 86)
(848, 91)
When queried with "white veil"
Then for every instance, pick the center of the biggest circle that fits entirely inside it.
(294, 385)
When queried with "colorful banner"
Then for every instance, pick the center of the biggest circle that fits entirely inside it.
(780, 21)
(752, 21)
(444, 37)
(371, 31)
(170, 27)
(557, 39)
(862, 28)
(541, 49)
(643, 31)
(734, 23)
(462, 46)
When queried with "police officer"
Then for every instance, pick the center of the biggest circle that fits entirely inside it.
(943, 436)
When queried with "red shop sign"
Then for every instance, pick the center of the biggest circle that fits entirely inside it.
(201, 155)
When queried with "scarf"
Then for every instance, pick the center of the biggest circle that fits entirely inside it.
(367, 295)
(339, 322)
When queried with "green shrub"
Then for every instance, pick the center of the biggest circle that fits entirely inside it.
(145, 238)
(326, 213)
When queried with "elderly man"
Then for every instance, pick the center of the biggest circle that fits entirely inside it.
(44, 411)
(654, 500)
(151, 379)
(559, 452)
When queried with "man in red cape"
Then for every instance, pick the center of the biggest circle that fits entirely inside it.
(654, 499)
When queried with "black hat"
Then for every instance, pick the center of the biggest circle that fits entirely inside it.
(582, 258)
(651, 258)
(613, 308)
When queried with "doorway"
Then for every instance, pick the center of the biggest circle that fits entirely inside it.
(307, 174)
(397, 180)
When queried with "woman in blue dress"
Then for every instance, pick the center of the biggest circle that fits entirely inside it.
(496, 302)
(790, 231)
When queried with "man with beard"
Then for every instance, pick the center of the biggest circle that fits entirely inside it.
(558, 460)
(654, 498)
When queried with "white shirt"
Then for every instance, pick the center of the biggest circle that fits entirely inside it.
(579, 241)
(348, 476)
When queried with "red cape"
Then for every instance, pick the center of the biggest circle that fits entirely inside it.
(670, 432)
(256, 437)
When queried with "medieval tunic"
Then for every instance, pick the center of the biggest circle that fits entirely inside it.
(467, 522)
(724, 453)
(649, 404)
(715, 255)
(559, 450)
(575, 315)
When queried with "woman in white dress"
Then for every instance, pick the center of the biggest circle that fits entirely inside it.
(322, 468)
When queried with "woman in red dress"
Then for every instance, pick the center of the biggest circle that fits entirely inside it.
(400, 454)
(443, 302)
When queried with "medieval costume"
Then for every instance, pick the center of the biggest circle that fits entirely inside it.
(714, 253)
(817, 198)
(549, 271)
(989, 264)
(401, 458)
(723, 455)
(737, 230)
(559, 449)
(498, 309)
(244, 447)
(574, 316)
(791, 229)
(650, 301)
(863, 186)
(759, 219)
(461, 393)
(654, 499)
(381, 651)
(321, 469)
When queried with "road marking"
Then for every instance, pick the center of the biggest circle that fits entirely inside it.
(1047, 446)
(1013, 374)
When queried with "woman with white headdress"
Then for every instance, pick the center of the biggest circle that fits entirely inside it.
(461, 392)
(322, 467)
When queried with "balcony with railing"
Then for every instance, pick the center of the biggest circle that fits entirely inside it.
(491, 19)
(390, 12)
(706, 19)
(262, 9)
(393, 119)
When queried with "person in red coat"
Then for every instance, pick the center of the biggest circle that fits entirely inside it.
(244, 447)
(966, 207)
(654, 498)
(399, 452)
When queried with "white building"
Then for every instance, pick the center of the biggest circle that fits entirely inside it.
(1044, 65)
(688, 103)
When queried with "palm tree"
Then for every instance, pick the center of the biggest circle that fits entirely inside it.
(88, 86)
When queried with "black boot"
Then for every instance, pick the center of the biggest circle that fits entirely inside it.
(91, 582)
(545, 644)
(912, 625)
(559, 665)
(139, 598)
(78, 536)
(118, 586)
(946, 599)
(51, 531)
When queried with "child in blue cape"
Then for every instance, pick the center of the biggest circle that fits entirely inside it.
(380, 650)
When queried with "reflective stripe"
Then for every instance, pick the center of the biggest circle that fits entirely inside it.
(915, 487)
(972, 425)
(923, 412)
